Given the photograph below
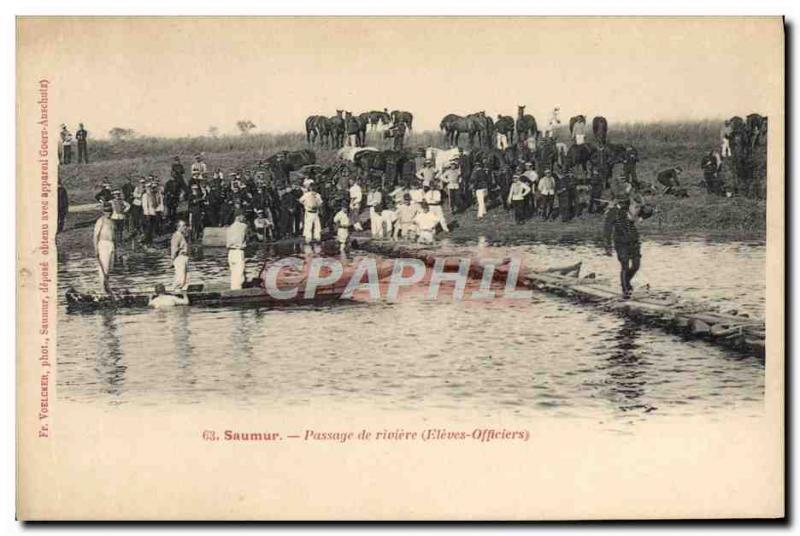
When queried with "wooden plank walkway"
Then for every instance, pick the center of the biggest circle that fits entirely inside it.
(691, 321)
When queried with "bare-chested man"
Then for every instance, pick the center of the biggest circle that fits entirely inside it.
(104, 245)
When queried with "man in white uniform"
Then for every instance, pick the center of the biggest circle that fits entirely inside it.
(355, 203)
(179, 249)
(342, 222)
(426, 223)
(374, 200)
(236, 242)
(104, 246)
(433, 197)
(405, 219)
(311, 202)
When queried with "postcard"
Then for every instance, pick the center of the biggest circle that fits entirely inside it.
(376, 268)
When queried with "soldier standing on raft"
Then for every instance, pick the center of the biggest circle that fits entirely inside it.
(620, 224)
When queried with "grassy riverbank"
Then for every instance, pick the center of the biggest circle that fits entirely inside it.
(660, 145)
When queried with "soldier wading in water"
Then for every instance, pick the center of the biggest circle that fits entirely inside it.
(620, 224)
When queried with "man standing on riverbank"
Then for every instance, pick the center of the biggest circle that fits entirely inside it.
(480, 183)
(104, 246)
(179, 250)
(517, 195)
(312, 203)
(236, 241)
(81, 135)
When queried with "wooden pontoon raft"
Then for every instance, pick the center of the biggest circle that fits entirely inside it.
(91, 302)
(733, 331)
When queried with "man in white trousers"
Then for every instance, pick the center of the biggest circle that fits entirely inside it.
(179, 249)
(104, 246)
(374, 203)
(312, 202)
(433, 197)
(237, 242)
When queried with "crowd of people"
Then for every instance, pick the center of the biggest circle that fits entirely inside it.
(272, 200)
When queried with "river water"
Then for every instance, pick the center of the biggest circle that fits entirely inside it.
(540, 357)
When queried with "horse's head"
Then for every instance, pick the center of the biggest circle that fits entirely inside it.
(339, 113)
(521, 109)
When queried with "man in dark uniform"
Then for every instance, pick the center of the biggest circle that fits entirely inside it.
(280, 172)
(213, 203)
(81, 135)
(710, 167)
(567, 199)
(596, 192)
(196, 202)
(104, 195)
(620, 225)
(172, 194)
(127, 190)
(177, 172)
(63, 205)
(631, 158)
(669, 179)
(398, 134)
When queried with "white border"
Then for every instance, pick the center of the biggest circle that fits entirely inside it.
(307, 7)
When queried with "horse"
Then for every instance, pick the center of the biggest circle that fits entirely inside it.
(561, 153)
(356, 126)
(600, 129)
(526, 124)
(336, 128)
(546, 155)
(756, 128)
(319, 129)
(294, 159)
(446, 126)
(505, 126)
(579, 155)
(399, 116)
(471, 125)
(485, 127)
(573, 121)
(376, 119)
(311, 132)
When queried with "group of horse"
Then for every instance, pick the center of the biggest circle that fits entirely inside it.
(746, 133)
(479, 126)
(335, 131)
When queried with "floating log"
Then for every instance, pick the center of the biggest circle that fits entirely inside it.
(737, 332)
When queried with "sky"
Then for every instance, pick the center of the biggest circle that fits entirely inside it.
(178, 77)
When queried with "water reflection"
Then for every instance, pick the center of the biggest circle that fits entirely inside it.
(109, 356)
(547, 355)
(627, 370)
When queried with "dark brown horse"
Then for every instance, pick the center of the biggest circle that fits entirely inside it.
(455, 125)
(575, 119)
(357, 127)
(505, 126)
(336, 128)
(294, 159)
(323, 130)
(316, 129)
(600, 129)
(399, 116)
(579, 155)
(376, 118)
(526, 125)
(756, 128)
